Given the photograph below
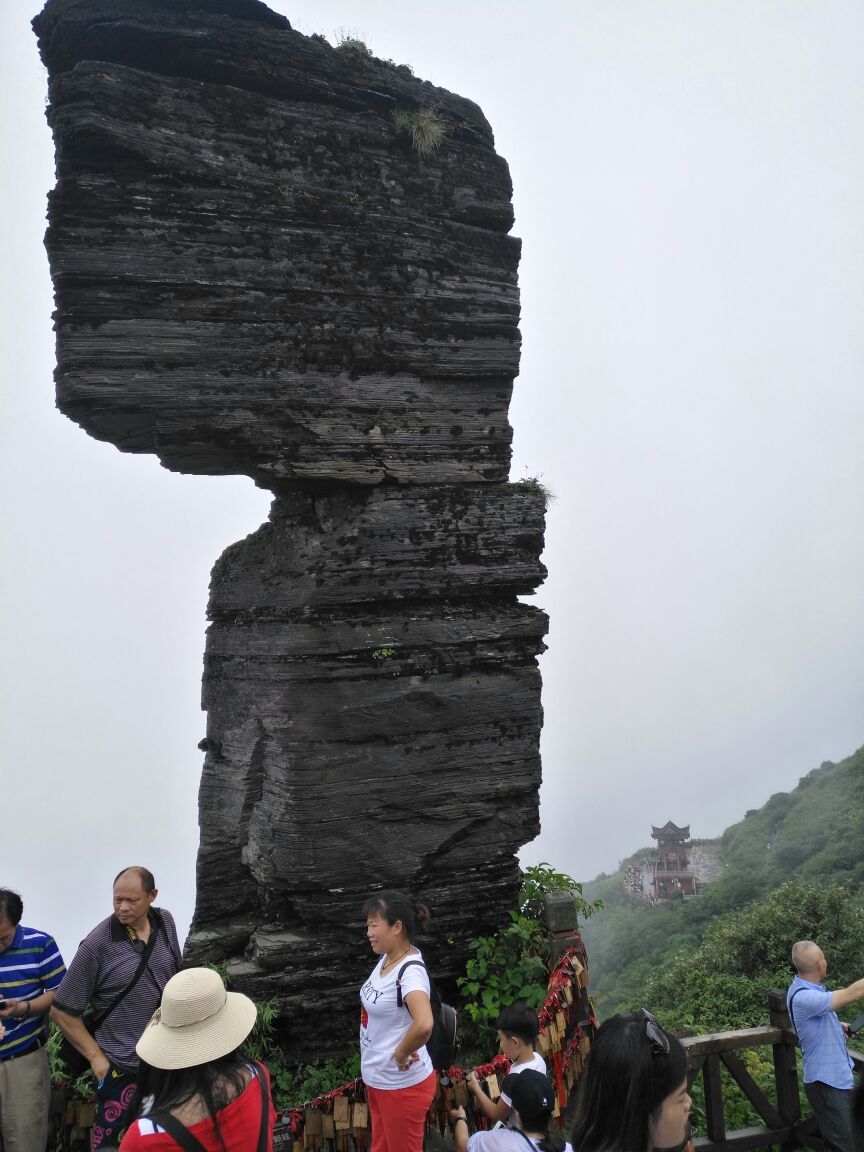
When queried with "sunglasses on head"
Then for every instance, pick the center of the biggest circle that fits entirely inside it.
(657, 1038)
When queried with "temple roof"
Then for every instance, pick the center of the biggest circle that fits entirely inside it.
(670, 831)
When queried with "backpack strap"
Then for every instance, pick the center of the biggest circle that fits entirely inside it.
(178, 1132)
(181, 1135)
(791, 1014)
(156, 913)
(407, 964)
(525, 1137)
(265, 1107)
(99, 1019)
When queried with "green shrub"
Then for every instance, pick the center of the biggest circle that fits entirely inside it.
(513, 964)
(311, 1080)
(542, 878)
(723, 983)
(424, 127)
(535, 484)
(82, 1088)
(355, 50)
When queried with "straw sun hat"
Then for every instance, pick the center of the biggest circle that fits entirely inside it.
(198, 1021)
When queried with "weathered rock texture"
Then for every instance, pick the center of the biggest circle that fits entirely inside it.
(256, 273)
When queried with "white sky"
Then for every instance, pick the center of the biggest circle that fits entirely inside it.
(689, 188)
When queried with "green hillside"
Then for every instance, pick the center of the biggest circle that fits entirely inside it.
(793, 868)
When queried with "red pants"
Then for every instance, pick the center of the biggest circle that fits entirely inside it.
(398, 1115)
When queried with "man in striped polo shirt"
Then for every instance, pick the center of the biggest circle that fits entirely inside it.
(31, 967)
(106, 963)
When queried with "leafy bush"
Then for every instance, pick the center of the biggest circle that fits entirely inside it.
(738, 1112)
(311, 1080)
(723, 984)
(507, 967)
(82, 1088)
(513, 964)
(293, 1083)
(542, 878)
(535, 484)
(355, 50)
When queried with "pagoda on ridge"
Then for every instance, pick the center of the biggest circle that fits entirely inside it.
(671, 864)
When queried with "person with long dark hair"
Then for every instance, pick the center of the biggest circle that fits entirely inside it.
(633, 1095)
(533, 1103)
(395, 1023)
(195, 1085)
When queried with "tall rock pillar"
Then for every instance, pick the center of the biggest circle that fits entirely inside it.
(258, 272)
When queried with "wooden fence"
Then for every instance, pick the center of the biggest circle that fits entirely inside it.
(783, 1124)
(339, 1120)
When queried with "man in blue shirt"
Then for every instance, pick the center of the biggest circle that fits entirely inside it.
(827, 1066)
(31, 967)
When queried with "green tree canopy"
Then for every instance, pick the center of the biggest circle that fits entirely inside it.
(723, 984)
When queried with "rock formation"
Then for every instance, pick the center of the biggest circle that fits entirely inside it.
(257, 272)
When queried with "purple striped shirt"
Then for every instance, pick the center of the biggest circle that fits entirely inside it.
(104, 964)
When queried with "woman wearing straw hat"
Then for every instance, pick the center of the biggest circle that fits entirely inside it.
(197, 1092)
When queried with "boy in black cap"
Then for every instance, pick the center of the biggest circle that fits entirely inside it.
(533, 1097)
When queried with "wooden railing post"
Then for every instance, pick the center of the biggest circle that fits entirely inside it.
(715, 1122)
(785, 1060)
(781, 1125)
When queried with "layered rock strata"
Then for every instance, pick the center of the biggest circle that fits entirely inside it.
(256, 272)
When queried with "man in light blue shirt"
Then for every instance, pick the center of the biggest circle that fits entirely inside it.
(827, 1066)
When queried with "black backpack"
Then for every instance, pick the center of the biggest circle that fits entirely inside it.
(441, 1045)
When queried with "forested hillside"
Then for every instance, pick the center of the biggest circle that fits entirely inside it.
(793, 868)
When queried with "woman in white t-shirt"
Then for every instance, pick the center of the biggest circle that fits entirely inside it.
(533, 1098)
(394, 1063)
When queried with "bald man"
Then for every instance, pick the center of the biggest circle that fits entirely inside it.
(827, 1066)
(120, 970)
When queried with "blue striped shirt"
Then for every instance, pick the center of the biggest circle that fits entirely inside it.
(31, 965)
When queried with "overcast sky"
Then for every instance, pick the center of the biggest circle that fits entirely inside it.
(689, 189)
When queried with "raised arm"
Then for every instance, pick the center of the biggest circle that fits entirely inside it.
(844, 996)
(495, 1109)
(459, 1128)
